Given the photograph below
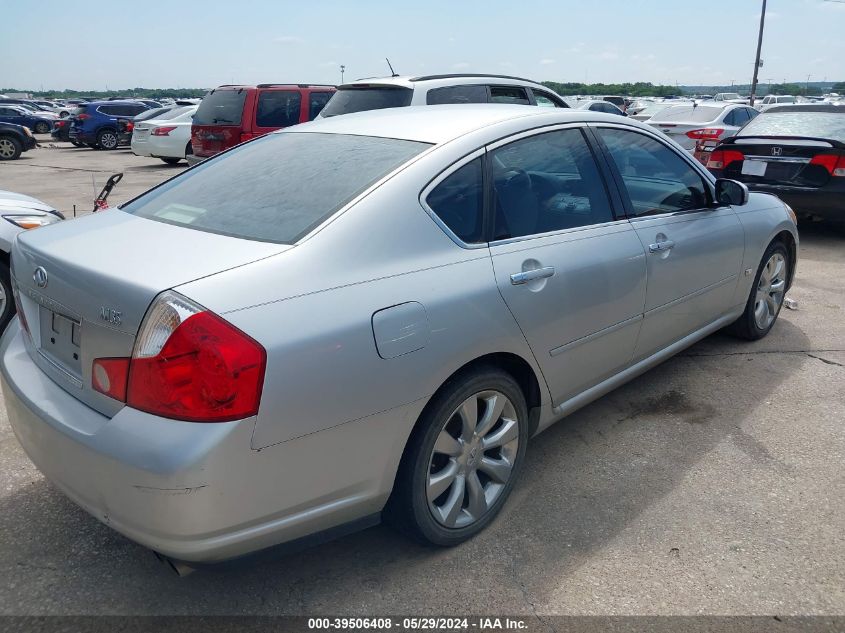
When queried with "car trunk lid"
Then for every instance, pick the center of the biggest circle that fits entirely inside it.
(84, 287)
(800, 162)
(217, 121)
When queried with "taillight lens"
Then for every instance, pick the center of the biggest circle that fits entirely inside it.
(721, 158)
(60, 123)
(130, 126)
(109, 376)
(706, 133)
(163, 131)
(189, 364)
(83, 116)
(833, 163)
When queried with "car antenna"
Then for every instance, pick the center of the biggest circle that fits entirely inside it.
(393, 73)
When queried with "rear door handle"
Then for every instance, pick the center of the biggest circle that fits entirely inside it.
(532, 275)
(661, 247)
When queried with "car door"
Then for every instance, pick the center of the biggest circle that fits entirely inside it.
(571, 273)
(694, 246)
(10, 115)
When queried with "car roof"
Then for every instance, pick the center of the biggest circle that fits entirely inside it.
(442, 123)
(409, 81)
(113, 102)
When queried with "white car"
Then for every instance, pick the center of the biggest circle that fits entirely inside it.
(707, 122)
(771, 100)
(729, 97)
(167, 137)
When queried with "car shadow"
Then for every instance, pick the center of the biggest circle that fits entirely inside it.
(585, 480)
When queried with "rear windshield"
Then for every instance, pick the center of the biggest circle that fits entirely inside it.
(81, 109)
(348, 100)
(699, 114)
(221, 107)
(173, 113)
(830, 125)
(276, 188)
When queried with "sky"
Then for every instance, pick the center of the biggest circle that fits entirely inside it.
(205, 43)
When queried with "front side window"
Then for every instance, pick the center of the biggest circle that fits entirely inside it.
(508, 94)
(276, 188)
(547, 182)
(656, 178)
(456, 94)
(278, 108)
(458, 202)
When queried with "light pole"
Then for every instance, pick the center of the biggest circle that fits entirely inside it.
(342, 70)
(757, 59)
(807, 86)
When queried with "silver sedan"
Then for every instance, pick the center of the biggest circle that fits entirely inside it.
(369, 316)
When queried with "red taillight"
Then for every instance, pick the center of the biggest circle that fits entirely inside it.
(83, 116)
(189, 364)
(130, 126)
(833, 163)
(163, 131)
(109, 376)
(721, 158)
(706, 133)
(60, 123)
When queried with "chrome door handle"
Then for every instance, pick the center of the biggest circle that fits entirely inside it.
(532, 275)
(661, 247)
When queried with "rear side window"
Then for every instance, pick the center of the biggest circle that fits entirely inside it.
(221, 107)
(545, 100)
(457, 94)
(278, 108)
(360, 99)
(316, 102)
(458, 202)
(547, 182)
(508, 94)
(276, 188)
(109, 110)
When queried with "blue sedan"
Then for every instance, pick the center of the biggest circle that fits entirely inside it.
(21, 116)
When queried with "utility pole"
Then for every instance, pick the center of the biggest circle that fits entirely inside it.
(757, 59)
(807, 86)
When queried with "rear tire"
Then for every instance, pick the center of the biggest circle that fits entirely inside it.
(766, 297)
(462, 459)
(171, 160)
(10, 148)
(42, 128)
(7, 301)
(107, 139)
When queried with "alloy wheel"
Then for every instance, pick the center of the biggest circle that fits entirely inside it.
(472, 459)
(770, 291)
(7, 148)
(108, 140)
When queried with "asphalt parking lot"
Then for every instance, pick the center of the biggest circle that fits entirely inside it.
(712, 485)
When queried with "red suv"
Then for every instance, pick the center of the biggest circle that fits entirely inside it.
(229, 115)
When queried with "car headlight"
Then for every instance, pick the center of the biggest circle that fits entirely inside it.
(27, 131)
(791, 213)
(31, 221)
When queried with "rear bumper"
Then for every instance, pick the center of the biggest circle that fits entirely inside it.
(198, 492)
(827, 204)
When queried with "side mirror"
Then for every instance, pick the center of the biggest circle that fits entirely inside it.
(731, 192)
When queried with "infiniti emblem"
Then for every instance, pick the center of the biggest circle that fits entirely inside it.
(40, 277)
(777, 151)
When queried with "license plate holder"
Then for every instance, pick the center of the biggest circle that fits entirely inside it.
(754, 167)
(61, 340)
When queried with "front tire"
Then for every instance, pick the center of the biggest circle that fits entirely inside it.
(7, 301)
(42, 128)
(767, 293)
(171, 160)
(462, 460)
(107, 139)
(10, 148)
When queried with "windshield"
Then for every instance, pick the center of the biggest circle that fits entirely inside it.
(699, 114)
(221, 107)
(830, 125)
(348, 99)
(276, 188)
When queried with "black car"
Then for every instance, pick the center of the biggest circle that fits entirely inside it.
(61, 129)
(796, 152)
(14, 139)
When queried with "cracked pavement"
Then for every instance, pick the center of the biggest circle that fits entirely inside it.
(711, 485)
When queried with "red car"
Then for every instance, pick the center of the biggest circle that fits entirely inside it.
(229, 115)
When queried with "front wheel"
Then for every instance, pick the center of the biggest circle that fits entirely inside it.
(42, 128)
(7, 302)
(10, 148)
(462, 459)
(767, 294)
